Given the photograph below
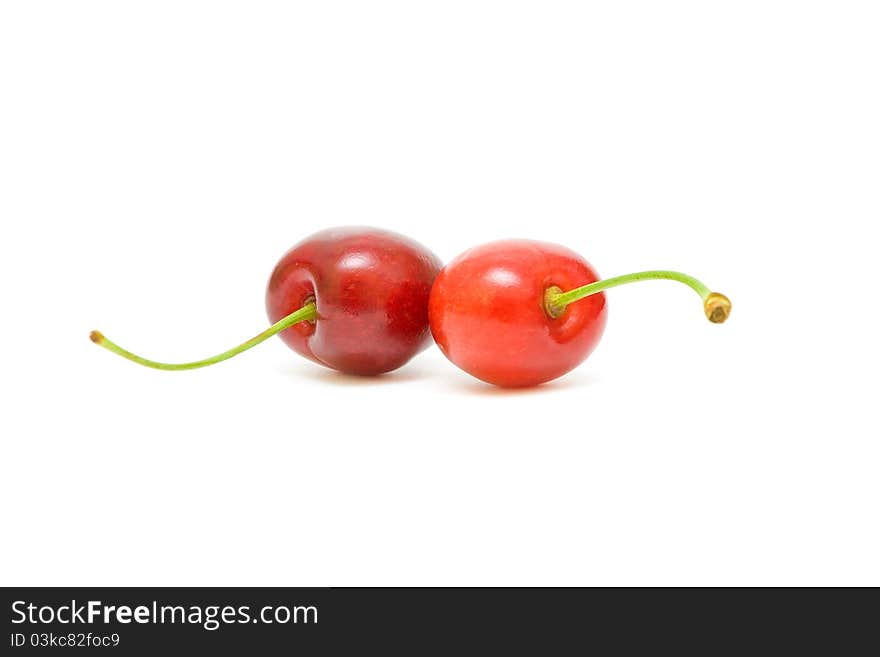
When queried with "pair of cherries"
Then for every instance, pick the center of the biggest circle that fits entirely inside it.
(365, 301)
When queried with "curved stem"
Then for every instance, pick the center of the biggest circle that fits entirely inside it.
(717, 306)
(307, 313)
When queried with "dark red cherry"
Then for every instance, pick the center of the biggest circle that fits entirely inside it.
(371, 290)
(354, 299)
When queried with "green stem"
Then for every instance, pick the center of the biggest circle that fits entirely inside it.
(717, 306)
(307, 313)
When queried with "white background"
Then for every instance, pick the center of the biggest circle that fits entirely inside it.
(157, 158)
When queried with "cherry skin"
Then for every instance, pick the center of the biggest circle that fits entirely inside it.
(370, 288)
(488, 312)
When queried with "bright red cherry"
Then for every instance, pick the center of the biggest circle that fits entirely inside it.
(353, 299)
(488, 317)
(505, 312)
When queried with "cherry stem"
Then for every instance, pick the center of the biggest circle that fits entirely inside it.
(716, 305)
(307, 313)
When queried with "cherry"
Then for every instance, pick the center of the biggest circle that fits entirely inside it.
(371, 288)
(354, 299)
(501, 311)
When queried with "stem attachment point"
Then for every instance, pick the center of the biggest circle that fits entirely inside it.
(552, 308)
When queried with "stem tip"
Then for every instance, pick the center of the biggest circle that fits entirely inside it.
(97, 337)
(717, 307)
